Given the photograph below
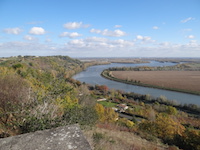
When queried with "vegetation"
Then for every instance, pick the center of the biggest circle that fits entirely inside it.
(38, 93)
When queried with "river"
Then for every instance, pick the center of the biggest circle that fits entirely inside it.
(92, 75)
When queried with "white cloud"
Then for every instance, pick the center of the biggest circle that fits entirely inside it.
(26, 48)
(139, 37)
(164, 44)
(193, 43)
(13, 30)
(75, 25)
(106, 32)
(115, 33)
(144, 38)
(70, 35)
(95, 31)
(118, 26)
(96, 39)
(96, 43)
(77, 42)
(104, 47)
(29, 38)
(147, 38)
(190, 36)
(37, 31)
(187, 19)
(155, 27)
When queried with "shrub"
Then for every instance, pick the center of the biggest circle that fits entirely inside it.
(14, 100)
(16, 66)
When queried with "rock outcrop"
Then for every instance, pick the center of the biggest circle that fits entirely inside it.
(61, 138)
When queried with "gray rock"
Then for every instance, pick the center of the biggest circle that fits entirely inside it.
(61, 138)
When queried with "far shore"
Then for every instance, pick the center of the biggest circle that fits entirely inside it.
(173, 82)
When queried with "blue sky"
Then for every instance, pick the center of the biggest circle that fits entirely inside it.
(106, 28)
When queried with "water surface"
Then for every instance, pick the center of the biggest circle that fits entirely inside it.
(92, 75)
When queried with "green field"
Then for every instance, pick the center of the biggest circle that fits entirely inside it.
(108, 104)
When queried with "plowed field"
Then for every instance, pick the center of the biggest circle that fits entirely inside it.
(185, 80)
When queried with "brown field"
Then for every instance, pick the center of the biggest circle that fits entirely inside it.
(184, 80)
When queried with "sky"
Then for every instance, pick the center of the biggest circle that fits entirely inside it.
(100, 28)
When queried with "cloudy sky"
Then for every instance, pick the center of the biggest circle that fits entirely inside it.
(100, 28)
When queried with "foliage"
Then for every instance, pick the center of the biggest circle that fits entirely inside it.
(106, 114)
(125, 122)
(164, 127)
(14, 100)
(16, 66)
(35, 94)
(189, 140)
(81, 115)
(171, 110)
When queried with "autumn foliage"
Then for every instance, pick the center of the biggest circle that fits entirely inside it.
(106, 114)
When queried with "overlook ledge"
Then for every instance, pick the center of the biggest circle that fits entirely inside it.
(61, 138)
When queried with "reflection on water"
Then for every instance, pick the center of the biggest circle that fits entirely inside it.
(92, 76)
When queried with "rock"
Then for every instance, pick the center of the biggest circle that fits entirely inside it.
(61, 138)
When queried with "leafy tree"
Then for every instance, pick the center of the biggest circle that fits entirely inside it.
(105, 114)
(100, 112)
(125, 122)
(171, 110)
(164, 127)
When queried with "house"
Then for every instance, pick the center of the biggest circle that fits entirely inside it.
(122, 107)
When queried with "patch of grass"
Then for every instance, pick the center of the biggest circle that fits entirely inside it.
(106, 139)
(97, 137)
(107, 104)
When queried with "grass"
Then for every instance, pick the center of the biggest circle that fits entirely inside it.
(108, 104)
(106, 139)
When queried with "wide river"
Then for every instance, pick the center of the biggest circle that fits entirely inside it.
(92, 75)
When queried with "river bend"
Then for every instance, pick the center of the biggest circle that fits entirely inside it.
(92, 75)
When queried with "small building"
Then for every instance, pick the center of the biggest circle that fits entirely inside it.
(122, 107)
(102, 99)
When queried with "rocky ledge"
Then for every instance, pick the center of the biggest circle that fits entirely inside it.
(61, 138)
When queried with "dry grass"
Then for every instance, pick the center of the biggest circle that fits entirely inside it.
(120, 140)
(184, 80)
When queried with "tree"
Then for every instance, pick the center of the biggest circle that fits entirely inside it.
(110, 115)
(100, 112)
(171, 110)
(164, 127)
(105, 114)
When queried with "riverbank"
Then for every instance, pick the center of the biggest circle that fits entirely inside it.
(137, 81)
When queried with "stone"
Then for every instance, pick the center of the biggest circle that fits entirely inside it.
(61, 138)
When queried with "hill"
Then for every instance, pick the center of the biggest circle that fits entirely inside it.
(38, 93)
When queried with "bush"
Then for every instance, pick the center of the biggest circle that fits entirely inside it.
(34, 124)
(84, 116)
(14, 100)
(16, 66)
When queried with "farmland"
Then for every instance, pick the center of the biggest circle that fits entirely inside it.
(188, 81)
